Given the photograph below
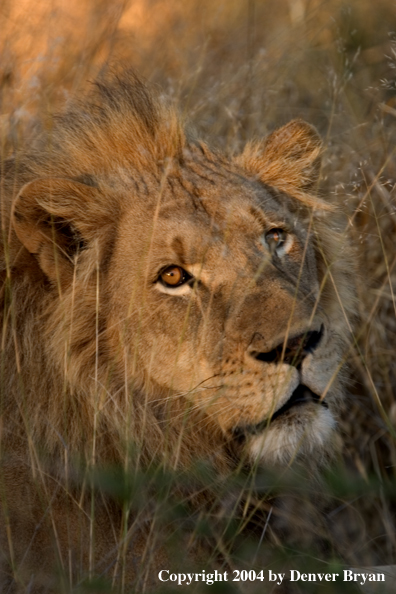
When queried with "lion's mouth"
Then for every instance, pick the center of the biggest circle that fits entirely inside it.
(301, 395)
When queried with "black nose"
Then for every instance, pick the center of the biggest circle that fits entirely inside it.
(293, 351)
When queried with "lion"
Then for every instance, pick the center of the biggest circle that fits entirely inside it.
(162, 303)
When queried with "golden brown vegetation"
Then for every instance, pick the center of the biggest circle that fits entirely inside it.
(238, 70)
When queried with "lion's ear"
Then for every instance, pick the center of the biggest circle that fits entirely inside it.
(288, 159)
(53, 219)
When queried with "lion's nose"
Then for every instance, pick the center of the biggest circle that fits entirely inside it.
(291, 351)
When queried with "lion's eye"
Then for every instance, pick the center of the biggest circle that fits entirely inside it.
(174, 276)
(275, 239)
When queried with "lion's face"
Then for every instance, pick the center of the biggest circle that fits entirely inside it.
(219, 302)
(202, 280)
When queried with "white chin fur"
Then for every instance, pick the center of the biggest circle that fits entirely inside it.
(283, 441)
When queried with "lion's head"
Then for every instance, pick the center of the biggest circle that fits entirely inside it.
(169, 295)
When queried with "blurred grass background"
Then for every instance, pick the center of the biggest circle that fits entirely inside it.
(238, 69)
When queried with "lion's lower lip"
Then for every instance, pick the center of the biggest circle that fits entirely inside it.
(301, 395)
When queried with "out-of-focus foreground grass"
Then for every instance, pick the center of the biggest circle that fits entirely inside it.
(238, 69)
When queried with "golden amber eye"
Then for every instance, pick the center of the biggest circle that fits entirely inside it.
(275, 238)
(173, 276)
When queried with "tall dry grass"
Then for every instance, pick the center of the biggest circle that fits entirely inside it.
(238, 69)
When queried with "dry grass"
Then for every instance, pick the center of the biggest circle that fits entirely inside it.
(238, 69)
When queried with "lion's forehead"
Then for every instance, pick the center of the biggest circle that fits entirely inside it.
(190, 238)
(201, 185)
(223, 210)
